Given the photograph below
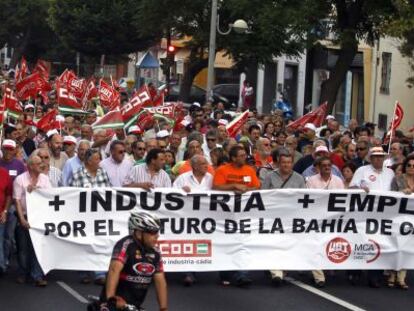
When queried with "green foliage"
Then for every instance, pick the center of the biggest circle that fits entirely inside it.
(99, 27)
(23, 26)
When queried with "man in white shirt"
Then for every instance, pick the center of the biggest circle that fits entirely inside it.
(373, 176)
(196, 179)
(150, 174)
(117, 165)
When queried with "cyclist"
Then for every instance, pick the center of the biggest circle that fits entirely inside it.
(135, 262)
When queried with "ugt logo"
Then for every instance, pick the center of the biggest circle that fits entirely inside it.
(338, 250)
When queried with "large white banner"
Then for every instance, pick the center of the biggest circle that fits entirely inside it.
(273, 229)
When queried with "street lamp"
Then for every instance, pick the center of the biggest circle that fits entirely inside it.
(239, 26)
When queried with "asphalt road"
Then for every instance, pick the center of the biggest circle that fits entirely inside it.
(64, 293)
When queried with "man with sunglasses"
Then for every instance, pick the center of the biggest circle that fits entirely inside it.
(362, 152)
(117, 166)
(210, 143)
(135, 263)
(138, 151)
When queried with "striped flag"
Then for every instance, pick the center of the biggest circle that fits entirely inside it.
(316, 117)
(234, 126)
(112, 120)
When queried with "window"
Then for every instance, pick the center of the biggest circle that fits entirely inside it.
(382, 121)
(385, 73)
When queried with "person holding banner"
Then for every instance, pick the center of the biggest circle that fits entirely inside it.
(198, 179)
(405, 184)
(325, 179)
(24, 183)
(151, 174)
(372, 177)
(91, 175)
(73, 164)
(239, 177)
(5, 202)
(135, 263)
(117, 165)
(282, 178)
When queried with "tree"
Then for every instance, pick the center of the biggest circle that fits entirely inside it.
(277, 27)
(353, 21)
(99, 27)
(24, 27)
(403, 28)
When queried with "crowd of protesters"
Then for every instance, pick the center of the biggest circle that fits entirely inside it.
(265, 154)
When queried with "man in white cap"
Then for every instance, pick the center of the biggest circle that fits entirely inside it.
(69, 146)
(321, 151)
(163, 135)
(309, 134)
(369, 177)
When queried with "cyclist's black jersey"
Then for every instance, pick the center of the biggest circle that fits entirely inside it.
(140, 264)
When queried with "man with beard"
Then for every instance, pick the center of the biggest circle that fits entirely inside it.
(57, 157)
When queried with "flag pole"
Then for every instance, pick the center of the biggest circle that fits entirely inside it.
(392, 127)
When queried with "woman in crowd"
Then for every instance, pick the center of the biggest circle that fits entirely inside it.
(269, 131)
(397, 168)
(348, 171)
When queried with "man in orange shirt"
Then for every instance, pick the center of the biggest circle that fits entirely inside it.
(238, 177)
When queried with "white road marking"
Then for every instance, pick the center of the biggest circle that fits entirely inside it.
(322, 294)
(71, 291)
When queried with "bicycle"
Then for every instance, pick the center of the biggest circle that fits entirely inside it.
(96, 305)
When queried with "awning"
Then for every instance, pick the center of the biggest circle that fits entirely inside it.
(223, 61)
(147, 61)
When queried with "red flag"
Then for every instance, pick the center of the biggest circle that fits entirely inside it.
(48, 121)
(398, 116)
(139, 100)
(234, 126)
(108, 96)
(42, 68)
(158, 100)
(21, 72)
(66, 100)
(90, 92)
(77, 86)
(65, 77)
(112, 120)
(31, 86)
(2, 110)
(145, 120)
(316, 117)
(11, 104)
(395, 123)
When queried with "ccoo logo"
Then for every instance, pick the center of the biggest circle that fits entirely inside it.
(338, 250)
(144, 268)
